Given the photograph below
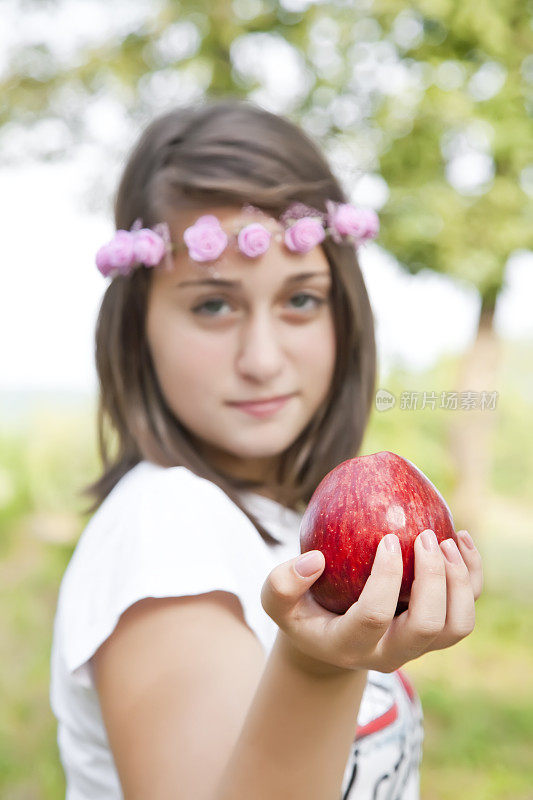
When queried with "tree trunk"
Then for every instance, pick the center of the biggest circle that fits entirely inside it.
(471, 430)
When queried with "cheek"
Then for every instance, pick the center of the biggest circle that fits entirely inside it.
(317, 352)
(188, 358)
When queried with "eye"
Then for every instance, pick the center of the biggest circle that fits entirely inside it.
(212, 301)
(318, 301)
(206, 307)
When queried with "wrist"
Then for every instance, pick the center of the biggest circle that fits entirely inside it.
(311, 666)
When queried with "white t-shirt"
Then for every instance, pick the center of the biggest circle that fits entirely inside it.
(165, 532)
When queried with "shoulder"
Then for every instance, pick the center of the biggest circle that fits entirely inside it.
(190, 512)
(146, 480)
(156, 513)
(151, 491)
(160, 528)
(161, 532)
(180, 488)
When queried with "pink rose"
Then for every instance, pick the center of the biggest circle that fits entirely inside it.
(205, 239)
(103, 260)
(253, 239)
(117, 255)
(304, 234)
(372, 223)
(347, 220)
(148, 247)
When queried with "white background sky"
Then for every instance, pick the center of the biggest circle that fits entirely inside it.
(52, 290)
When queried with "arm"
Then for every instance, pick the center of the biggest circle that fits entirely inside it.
(193, 709)
(297, 735)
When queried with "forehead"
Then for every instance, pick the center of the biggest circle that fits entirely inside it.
(275, 265)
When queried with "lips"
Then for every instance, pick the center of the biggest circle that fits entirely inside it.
(264, 408)
(263, 401)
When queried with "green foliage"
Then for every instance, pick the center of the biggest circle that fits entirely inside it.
(427, 223)
(477, 707)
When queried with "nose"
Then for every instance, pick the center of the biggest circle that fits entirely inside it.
(260, 353)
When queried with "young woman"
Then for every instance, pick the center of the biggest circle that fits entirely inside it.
(236, 359)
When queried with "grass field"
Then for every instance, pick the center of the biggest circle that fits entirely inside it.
(477, 696)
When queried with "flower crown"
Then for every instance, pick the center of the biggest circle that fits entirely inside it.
(303, 228)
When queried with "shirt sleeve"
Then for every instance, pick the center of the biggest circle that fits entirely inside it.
(172, 533)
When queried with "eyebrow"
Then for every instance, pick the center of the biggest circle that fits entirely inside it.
(300, 276)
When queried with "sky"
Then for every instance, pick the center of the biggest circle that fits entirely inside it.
(52, 290)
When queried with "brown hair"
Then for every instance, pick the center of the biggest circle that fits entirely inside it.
(226, 152)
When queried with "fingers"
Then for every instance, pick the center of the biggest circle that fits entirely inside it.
(288, 582)
(427, 604)
(460, 608)
(472, 559)
(412, 633)
(369, 617)
(447, 581)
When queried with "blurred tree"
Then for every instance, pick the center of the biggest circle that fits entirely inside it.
(461, 180)
(434, 101)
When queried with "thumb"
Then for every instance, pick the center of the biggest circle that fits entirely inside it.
(289, 581)
(309, 563)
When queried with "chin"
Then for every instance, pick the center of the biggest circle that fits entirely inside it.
(270, 450)
(260, 445)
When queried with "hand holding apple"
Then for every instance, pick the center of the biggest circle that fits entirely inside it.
(368, 635)
(353, 508)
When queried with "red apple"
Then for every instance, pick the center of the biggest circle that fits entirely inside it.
(353, 507)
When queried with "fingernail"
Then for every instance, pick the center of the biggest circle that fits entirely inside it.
(309, 563)
(429, 540)
(392, 543)
(467, 539)
(451, 551)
